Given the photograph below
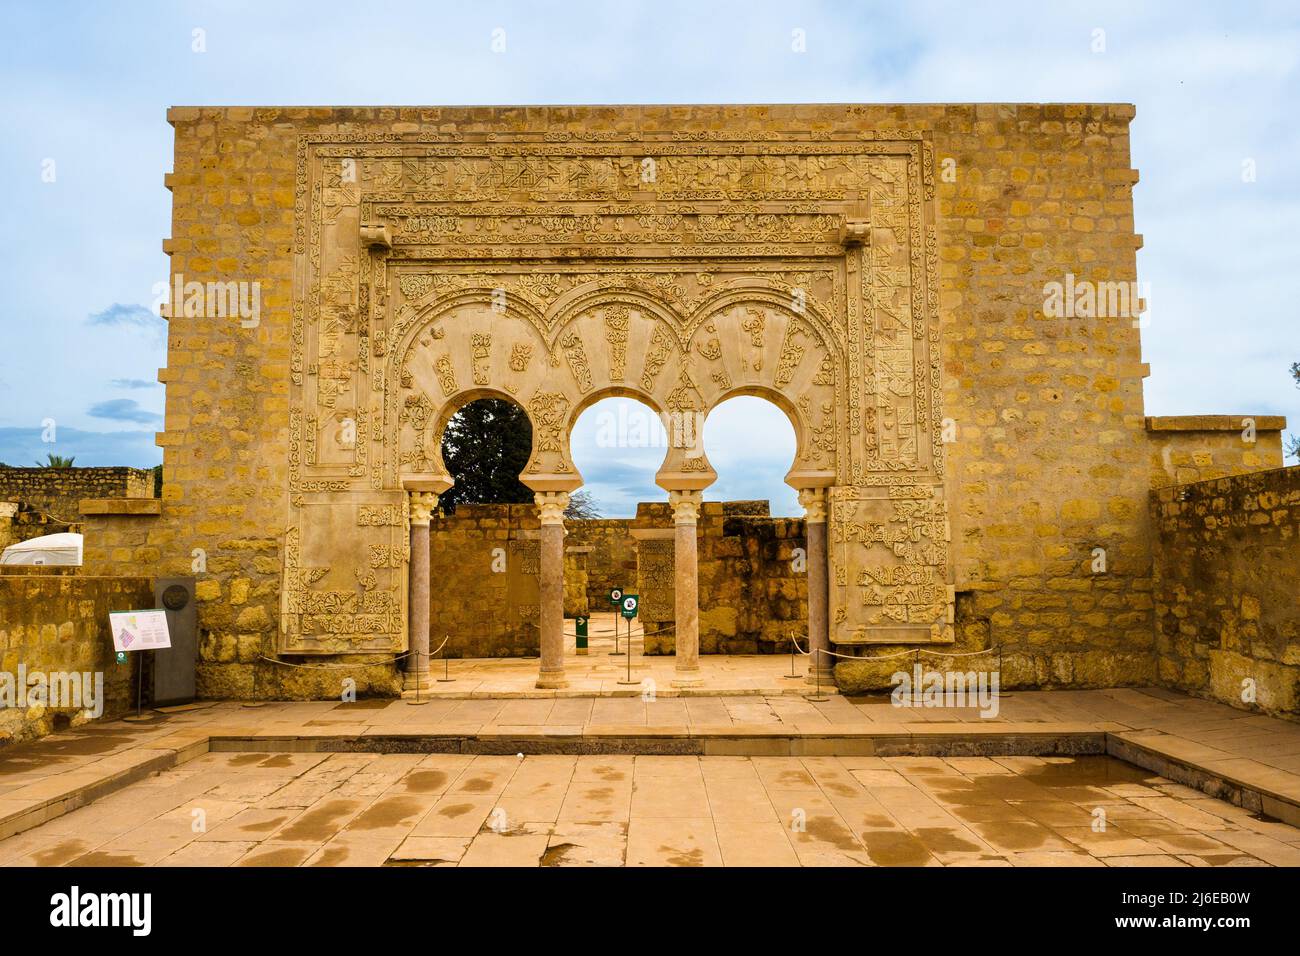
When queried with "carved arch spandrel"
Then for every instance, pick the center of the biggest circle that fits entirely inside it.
(753, 341)
(457, 347)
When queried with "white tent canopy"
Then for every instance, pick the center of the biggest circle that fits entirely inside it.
(64, 548)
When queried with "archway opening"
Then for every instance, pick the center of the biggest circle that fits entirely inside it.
(483, 557)
(618, 444)
(485, 447)
(751, 445)
(752, 583)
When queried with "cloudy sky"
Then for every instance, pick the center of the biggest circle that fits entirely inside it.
(84, 145)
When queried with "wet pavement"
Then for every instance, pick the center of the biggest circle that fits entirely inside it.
(291, 809)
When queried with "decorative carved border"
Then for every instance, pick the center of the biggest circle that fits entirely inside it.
(461, 207)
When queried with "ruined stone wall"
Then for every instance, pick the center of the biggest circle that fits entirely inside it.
(58, 491)
(483, 593)
(755, 582)
(612, 560)
(1049, 457)
(483, 571)
(59, 622)
(1227, 577)
(753, 589)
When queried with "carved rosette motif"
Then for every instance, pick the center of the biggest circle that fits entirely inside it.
(543, 267)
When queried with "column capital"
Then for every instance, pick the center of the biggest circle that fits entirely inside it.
(423, 505)
(814, 505)
(686, 506)
(551, 505)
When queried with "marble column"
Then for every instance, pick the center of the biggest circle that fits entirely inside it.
(423, 504)
(550, 509)
(820, 666)
(686, 513)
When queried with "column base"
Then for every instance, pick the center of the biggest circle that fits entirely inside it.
(827, 677)
(691, 678)
(411, 683)
(552, 681)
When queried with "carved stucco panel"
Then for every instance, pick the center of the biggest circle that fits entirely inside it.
(548, 272)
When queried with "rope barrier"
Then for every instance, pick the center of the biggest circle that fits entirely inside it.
(890, 657)
(348, 667)
(987, 650)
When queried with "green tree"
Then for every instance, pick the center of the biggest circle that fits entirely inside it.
(1293, 441)
(485, 446)
(56, 461)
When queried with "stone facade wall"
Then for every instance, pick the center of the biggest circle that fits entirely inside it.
(1192, 448)
(1227, 577)
(1050, 457)
(58, 491)
(59, 623)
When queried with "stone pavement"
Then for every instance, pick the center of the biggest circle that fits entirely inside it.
(600, 673)
(1248, 759)
(253, 809)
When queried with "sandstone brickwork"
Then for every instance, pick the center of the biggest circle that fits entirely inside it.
(878, 271)
(1191, 448)
(59, 491)
(486, 556)
(19, 522)
(55, 622)
(1227, 603)
(752, 580)
(611, 563)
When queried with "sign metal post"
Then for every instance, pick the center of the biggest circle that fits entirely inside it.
(628, 608)
(615, 598)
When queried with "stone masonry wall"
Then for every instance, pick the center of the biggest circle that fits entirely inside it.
(59, 623)
(1050, 458)
(58, 491)
(484, 591)
(612, 560)
(753, 594)
(1227, 577)
(756, 588)
(1191, 448)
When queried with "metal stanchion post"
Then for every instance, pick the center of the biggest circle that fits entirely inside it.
(446, 677)
(918, 696)
(794, 646)
(817, 676)
(139, 691)
(629, 651)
